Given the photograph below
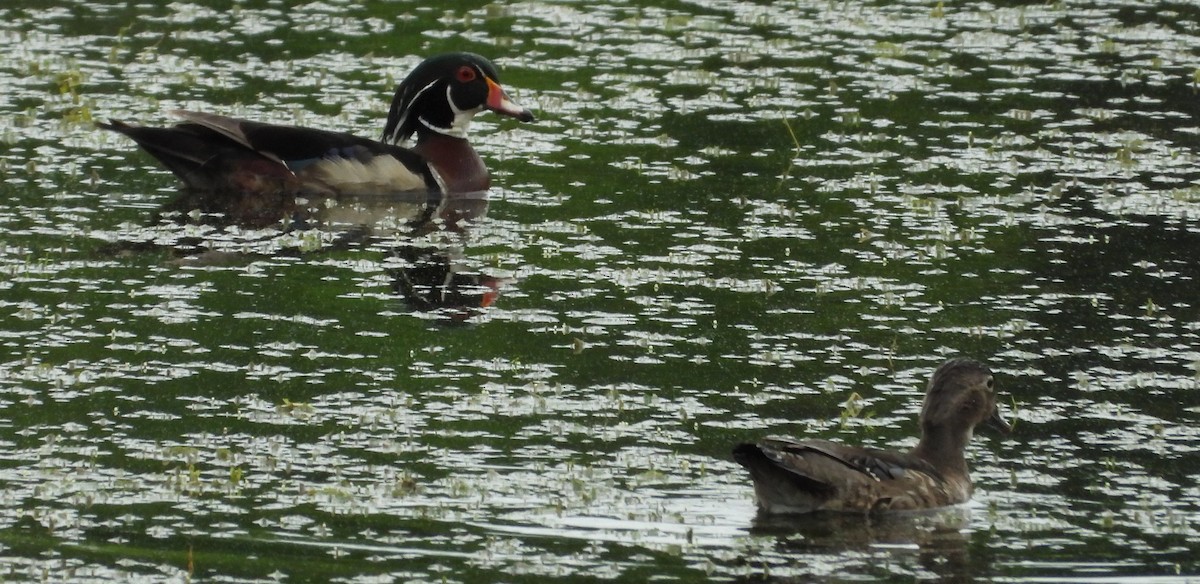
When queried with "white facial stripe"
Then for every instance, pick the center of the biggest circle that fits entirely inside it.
(404, 117)
(462, 119)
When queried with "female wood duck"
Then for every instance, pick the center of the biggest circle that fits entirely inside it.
(435, 102)
(814, 475)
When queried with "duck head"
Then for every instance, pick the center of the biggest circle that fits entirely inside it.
(442, 95)
(961, 395)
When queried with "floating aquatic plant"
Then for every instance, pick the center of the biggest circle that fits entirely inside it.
(851, 409)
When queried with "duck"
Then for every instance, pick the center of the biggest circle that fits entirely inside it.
(807, 476)
(259, 164)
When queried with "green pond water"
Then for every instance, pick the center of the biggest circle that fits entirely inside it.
(730, 219)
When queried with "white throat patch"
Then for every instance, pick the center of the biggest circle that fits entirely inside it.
(462, 119)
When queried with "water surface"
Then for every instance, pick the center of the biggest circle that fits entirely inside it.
(729, 220)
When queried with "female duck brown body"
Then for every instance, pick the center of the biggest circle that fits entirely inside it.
(818, 475)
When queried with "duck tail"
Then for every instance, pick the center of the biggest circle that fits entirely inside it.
(779, 486)
(202, 158)
(180, 150)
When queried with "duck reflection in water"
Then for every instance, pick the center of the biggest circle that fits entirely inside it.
(424, 241)
(432, 276)
(253, 175)
(938, 540)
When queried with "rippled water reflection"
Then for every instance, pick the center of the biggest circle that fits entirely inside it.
(730, 219)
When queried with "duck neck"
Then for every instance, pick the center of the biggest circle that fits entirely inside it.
(944, 448)
(455, 161)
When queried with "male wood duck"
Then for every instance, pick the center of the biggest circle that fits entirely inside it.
(814, 475)
(435, 103)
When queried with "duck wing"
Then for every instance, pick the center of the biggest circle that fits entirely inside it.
(214, 152)
(880, 465)
(294, 145)
(258, 137)
(346, 162)
(802, 476)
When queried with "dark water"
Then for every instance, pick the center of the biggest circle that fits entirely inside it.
(730, 219)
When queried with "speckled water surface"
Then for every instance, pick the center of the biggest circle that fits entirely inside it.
(730, 219)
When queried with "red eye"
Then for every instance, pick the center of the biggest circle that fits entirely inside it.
(466, 74)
